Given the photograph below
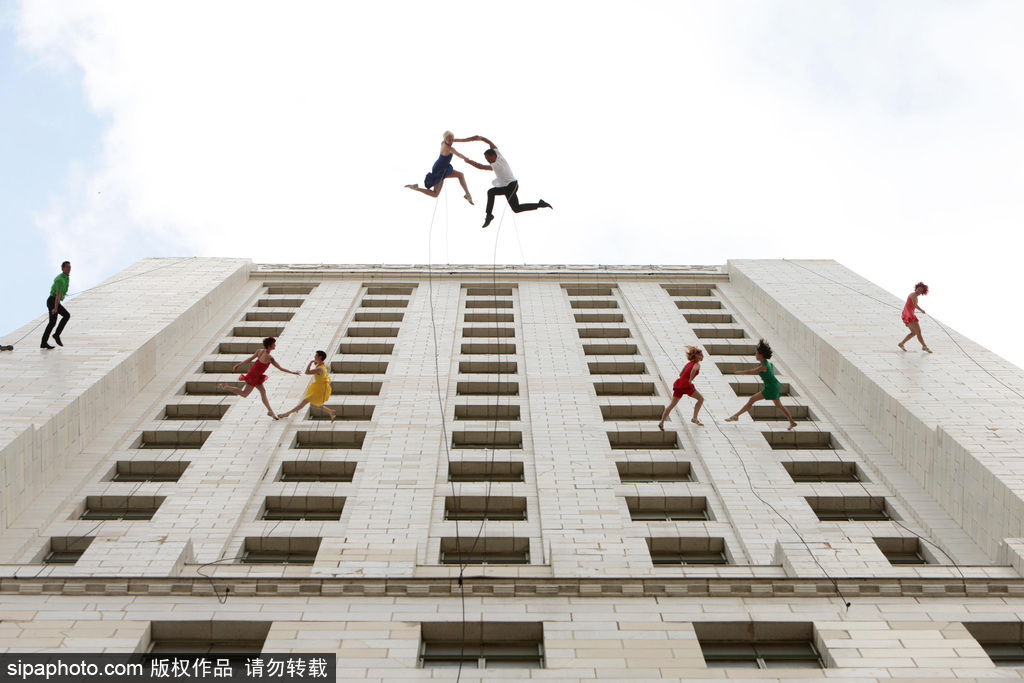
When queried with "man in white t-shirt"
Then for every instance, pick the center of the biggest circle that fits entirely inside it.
(504, 182)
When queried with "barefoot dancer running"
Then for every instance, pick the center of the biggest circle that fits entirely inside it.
(772, 390)
(255, 378)
(684, 386)
(319, 389)
(910, 320)
(442, 169)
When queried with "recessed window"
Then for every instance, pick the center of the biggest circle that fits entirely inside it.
(902, 550)
(647, 471)
(484, 471)
(499, 388)
(489, 303)
(239, 348)
(195, 411)
(324, 438)
(489, 317)
(729, 350)
(488, 348)
(825, 471)
(509, 508)
(588, 290)
(345, 411)
(366, 348)
(633, 413)
(67, 550)
(603, 332)
(500, 290)
(269, 316)
(493, 367)
(482, 645)
(594, 303)
(1003, 642)
(485, 550)
(610, 349)
(305, 508)
(283, 288)
(698, 304)
(643, 440)
(487, 412)
(356, 388)
(667, 508)
(280, 303)
(208, 637)
(770, 413)
(708, 318)
(279, 550)
(718, 333)
(849, 508)
(617, 368)
(389, 290)
(223, 367)
(317, 470)
(371, 331)
(488, 439)
(625, 388)
(195, 388)
(384, 317)
(368, 302)
(127, 508)
(689, 290)
(257, 331)
(149, 470)
(801, 441)
(173, 440)
(599, 317)
(758, 645)
(686, 551)
(497, 332)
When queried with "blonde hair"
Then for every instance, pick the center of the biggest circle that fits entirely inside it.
(447, 134)
(692, 351)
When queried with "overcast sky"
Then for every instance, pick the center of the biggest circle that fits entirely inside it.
(885, 135)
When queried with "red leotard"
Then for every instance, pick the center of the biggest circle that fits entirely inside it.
(684, 385)
(255, 376)
(908, 312)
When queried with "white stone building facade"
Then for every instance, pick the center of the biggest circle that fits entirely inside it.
(496, 488)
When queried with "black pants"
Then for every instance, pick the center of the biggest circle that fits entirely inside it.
(513, 201)
(64, 317)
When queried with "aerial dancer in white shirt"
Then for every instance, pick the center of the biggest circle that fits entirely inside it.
(504, 182)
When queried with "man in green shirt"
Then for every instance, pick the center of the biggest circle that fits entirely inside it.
(58, 292)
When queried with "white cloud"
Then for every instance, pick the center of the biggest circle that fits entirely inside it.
(885, 135)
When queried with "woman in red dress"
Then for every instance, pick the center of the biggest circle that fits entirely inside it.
(255, 378)
(910, 320)
(684, 386)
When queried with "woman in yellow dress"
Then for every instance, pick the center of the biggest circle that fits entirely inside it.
(319, 390)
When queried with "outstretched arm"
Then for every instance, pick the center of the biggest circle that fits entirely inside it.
(481, 138)
(275, 364)
(482, 167)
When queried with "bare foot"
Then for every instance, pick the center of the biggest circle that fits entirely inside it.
(414, 186)
(734, 418)
(791, 425)
(333, 415)
(697, 422)
(661, 426)
(902, 347)
(926, 349)
(271, 414)
(469, 199)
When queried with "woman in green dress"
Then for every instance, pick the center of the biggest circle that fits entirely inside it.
(772, 390)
